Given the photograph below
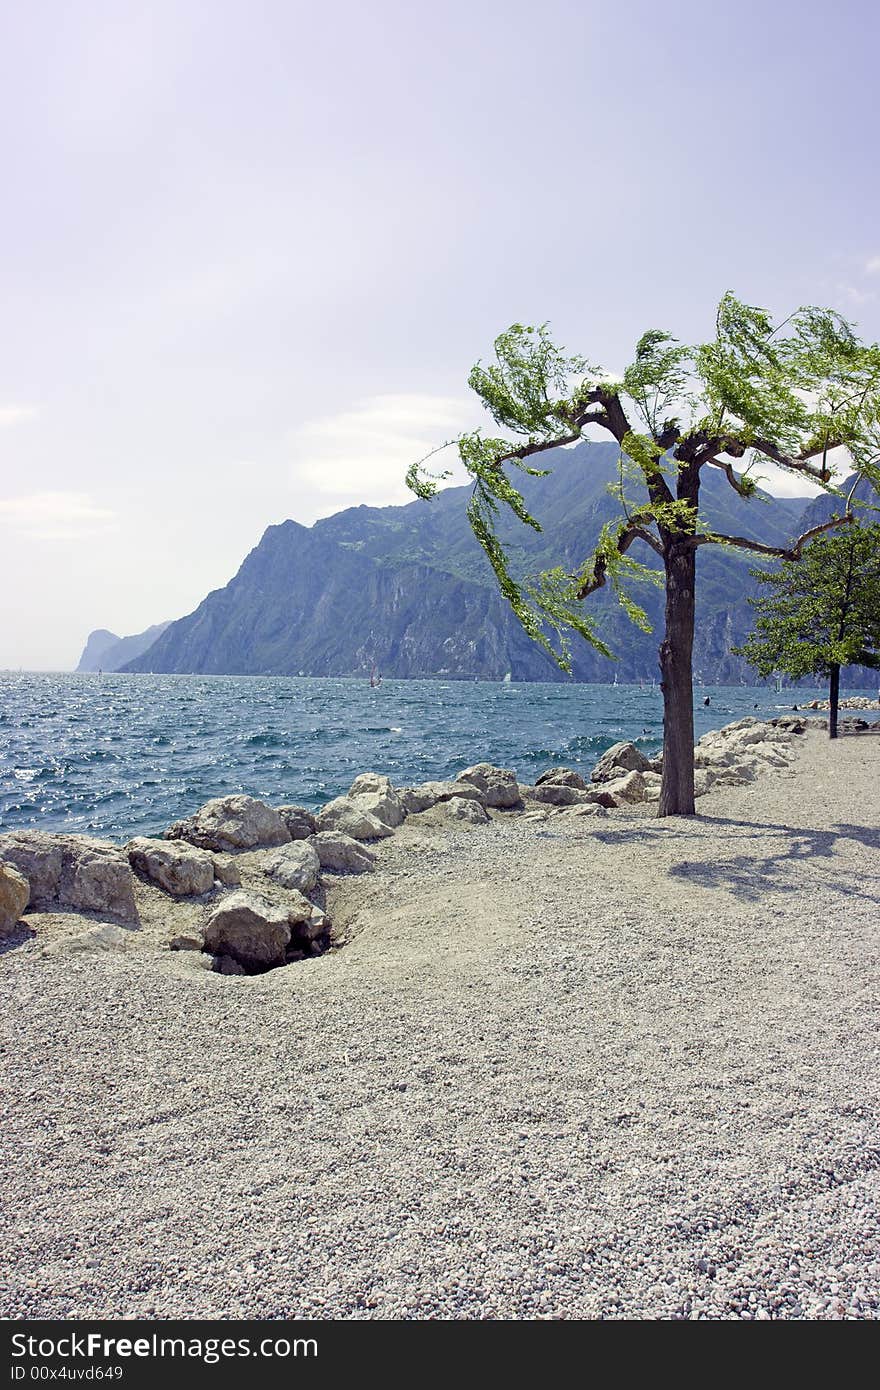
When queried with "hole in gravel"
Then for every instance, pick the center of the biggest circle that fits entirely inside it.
(300, 948)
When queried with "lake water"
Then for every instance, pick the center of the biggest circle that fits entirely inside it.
(119, 755)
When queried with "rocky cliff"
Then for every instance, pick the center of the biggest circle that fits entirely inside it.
(104, 651)
(409, 590)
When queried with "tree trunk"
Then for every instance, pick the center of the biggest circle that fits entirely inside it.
(833, 701)
(677, 683)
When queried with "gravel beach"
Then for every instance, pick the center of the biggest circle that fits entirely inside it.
(572, 1067)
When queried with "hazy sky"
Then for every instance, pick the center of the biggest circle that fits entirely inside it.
(249, 249)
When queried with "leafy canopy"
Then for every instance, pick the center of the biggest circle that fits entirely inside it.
(787, 393)
(821, 611)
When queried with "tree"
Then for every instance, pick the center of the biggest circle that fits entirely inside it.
(820, 613)
(789, 394)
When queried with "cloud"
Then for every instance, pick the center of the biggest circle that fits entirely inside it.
(782, 482)
(364, 451)
(855, 295)
(55, 516)
(16, 414)
(872, 267)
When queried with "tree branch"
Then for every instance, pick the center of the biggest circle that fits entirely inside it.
(709, 446)
(793, 552)
(579, 423)
(799, 462)
(634, 530)
(728, 471)
(617, 421)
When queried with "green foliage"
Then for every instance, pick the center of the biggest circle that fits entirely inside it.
(553, 596)
(822, 610)
(528, 388)
(658, 379)
(788, 393)
(620, 567)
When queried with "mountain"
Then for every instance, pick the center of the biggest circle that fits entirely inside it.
(408, 589)
(104, 651)
(825, 506)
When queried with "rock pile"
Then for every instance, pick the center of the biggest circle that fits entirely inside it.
(851, 702)
(277, 915)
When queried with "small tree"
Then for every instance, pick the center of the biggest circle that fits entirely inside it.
(820, 613)
(789, 394)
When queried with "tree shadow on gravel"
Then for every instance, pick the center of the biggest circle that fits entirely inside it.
(750, 876)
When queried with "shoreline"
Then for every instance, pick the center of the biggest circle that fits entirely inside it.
(570, 1066)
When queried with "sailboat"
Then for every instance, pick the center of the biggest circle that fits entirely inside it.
(507, 678)
(375, 678)
(778, 686)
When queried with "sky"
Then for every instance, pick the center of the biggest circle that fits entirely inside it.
(250, 249)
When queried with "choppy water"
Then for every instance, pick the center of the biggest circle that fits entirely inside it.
(120, 755)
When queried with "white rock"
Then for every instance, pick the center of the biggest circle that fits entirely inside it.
(561, 777)
(497, 785)
(300, 822)
(226, 870)
(341, 854)
(251, 930)
(343, 814)
(176, 866)
(231, 822)
(628, 790)
(293, 866)
(105, 937)
(14, 894)
(72, 872)
(618, 759)
(376, 796)
(460, 810)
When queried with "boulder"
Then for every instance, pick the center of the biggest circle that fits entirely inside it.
(620, 758)
(14, 894)
(428, 794)
(176, 866)
(703, 779)
(72, 872)
(553, 794)
(293, 866)
(628, 790)
(230, 823)
(417, 799)
(106, 937)
(790, 723)
(343, 814)
(341, 854)
(741, 751)
(375, 795)
(38, 857)
(561, 777)
(558, 794)
(300, 822)
(299, 909)
(497, 785)
(251, 930)
(460, 810)
(226, 870)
